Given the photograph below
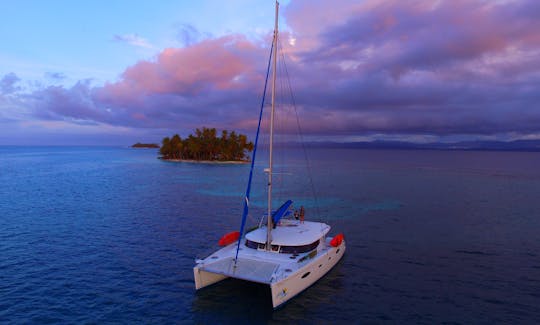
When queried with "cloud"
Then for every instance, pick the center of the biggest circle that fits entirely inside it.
(8, 83)
(429, 67)
(56, 76)
(433, 37)
(211, 82)
(189, 35)
(223, 63)
(76, 105)
(419, 68)
(134, 40)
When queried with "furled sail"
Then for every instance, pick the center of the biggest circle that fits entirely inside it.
(248, 189)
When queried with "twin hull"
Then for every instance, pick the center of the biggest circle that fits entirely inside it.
(284, 283)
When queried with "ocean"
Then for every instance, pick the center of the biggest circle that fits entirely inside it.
(110, 235)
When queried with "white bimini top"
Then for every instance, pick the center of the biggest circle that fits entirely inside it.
(291, 233)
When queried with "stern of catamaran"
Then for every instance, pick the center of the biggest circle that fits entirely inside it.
(243, 269)
(210, 272)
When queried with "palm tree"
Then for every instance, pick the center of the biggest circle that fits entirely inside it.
(165, 149)
(175, 140)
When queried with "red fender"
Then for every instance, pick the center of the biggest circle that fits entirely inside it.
(336, 241)
(229, 238)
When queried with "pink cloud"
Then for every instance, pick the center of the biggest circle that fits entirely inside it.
(224, 63)
(421, 34)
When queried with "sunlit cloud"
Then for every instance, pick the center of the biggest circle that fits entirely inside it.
(292, 40)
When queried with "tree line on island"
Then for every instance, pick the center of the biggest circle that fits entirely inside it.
(145, 145)
(207, 145)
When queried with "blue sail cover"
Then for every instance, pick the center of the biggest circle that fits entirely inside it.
(281, 212)
(248, 189)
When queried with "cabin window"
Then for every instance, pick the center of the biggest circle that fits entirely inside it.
(284, 249)
(305, 275)
(252, 244)
(299, 249)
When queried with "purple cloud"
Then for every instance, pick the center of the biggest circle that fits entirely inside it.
(8, 83)
(57, 76)
(435, 68)
(189, 35)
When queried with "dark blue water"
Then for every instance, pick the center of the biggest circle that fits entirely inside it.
(111, 234)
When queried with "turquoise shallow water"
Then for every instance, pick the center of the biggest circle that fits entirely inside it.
(104, 234)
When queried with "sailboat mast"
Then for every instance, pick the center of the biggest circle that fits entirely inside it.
(274, 61)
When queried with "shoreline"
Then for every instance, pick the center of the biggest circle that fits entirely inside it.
(228, 162)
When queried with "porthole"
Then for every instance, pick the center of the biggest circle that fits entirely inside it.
(320, 265)
(337, 251)
(306, 275)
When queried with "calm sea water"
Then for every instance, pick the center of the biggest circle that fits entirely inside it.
(98, 234)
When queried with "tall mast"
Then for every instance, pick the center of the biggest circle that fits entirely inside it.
(274, 61)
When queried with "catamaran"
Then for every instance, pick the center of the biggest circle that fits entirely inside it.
(287, 252)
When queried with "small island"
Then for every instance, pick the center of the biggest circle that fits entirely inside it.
(205, 145)
(145, 145)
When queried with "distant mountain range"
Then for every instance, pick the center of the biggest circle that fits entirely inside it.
(518, 145)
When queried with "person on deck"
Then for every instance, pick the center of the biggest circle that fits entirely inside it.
(302, 213)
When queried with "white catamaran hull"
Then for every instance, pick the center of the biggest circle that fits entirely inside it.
(297, 282)
(284, 281)
(204, 278)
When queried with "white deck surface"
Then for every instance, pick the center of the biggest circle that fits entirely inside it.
(291, 233)
(246, 269)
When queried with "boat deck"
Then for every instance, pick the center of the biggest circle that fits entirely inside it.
(245, 269)
(291, 233)
(257, 265)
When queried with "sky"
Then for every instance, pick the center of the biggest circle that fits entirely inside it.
(118, 72)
